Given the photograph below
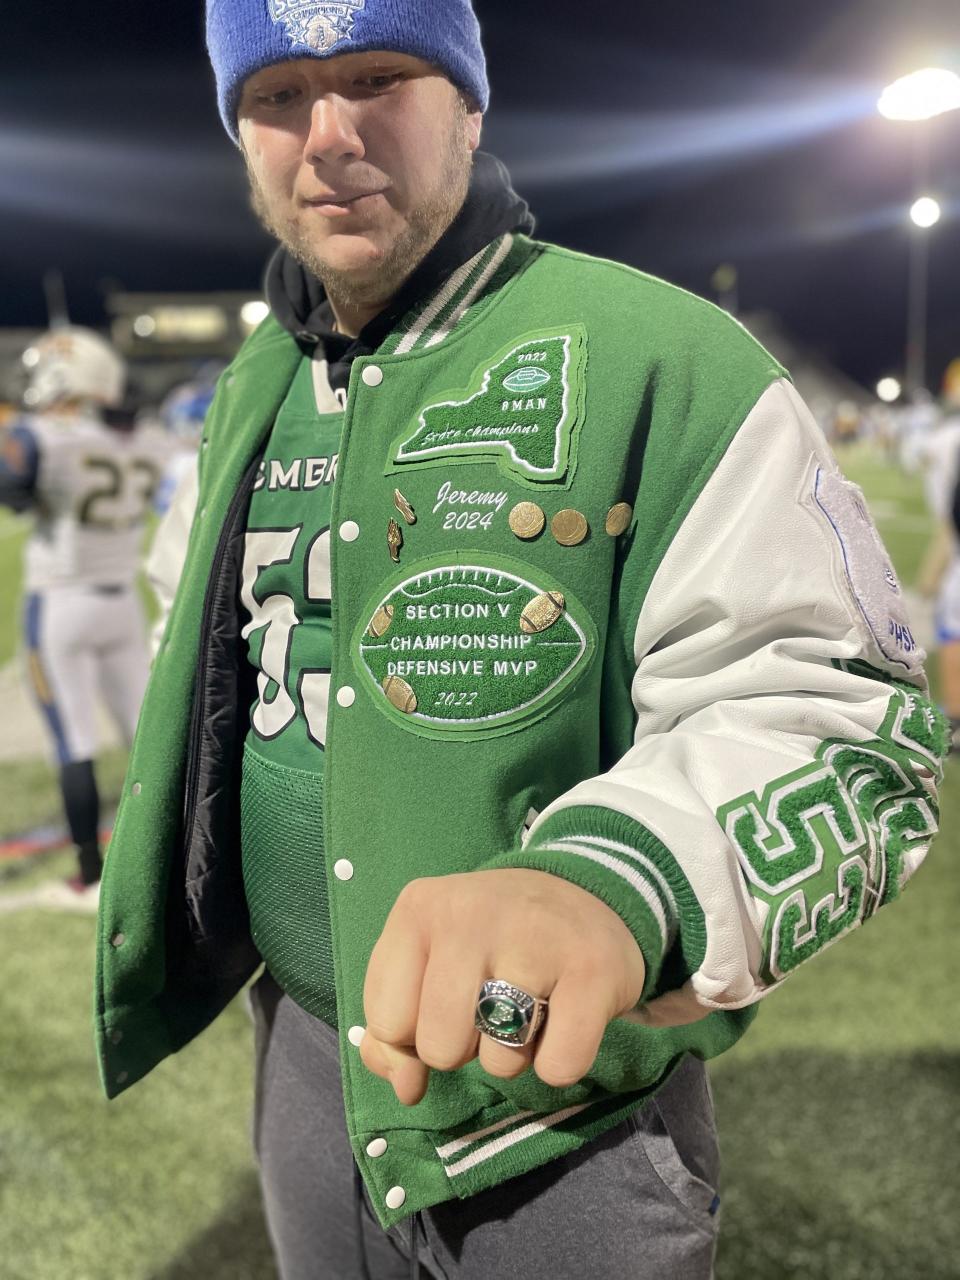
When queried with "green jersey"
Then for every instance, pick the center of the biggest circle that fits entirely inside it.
(285, 592)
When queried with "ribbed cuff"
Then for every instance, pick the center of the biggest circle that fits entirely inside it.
(619, 861)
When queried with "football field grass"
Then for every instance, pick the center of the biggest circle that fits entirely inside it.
(13, 532)
(839, 1112)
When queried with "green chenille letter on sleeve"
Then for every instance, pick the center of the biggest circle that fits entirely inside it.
(824, 846)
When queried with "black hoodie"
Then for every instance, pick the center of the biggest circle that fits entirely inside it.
(299, 302)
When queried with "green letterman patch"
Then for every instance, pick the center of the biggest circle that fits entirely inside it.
(471, 648)
(522, 409)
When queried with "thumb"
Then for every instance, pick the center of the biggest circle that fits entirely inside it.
(399, 1065)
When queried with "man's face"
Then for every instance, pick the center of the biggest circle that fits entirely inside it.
(357, 163)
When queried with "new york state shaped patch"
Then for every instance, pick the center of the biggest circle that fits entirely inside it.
(473, 648)
(523, 409)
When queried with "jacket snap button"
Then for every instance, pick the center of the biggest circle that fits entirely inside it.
(395, 1197)
(355, 1035)
(372, 375)
(343, 869)
(349, 531)
(346, 696)
(377, 1147)
(124, 1076)
(118, 940)
(136, 788)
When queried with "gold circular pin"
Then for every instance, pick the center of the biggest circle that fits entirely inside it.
(400, 694)
(618, 519)
(569, 527)
(527, 520)
(381, 620)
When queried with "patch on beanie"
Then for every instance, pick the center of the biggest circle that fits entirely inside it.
(315, 23)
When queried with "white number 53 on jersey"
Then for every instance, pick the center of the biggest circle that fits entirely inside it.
(277, 707)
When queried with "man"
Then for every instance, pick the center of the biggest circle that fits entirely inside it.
(90, 485)
(585, 708)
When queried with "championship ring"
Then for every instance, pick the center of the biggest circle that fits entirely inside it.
(508, 1014)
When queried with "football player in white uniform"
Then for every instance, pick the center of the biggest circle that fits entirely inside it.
(182, 413)
(90, 486)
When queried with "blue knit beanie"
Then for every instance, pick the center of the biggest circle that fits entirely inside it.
(245, 35)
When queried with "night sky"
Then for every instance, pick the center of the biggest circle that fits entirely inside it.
(673, 137)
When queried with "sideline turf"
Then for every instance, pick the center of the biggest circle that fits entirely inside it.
(13, 534)
(838, 1111)
(125, 1190)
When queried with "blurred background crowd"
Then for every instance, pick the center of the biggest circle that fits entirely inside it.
(799, 168)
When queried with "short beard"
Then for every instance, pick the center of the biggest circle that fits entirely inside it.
(425, 225)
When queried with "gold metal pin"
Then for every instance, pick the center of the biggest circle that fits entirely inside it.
(569, 527)
(618, 519)
(527, 520)
(540, 614)
(394, 540)
(381, 621)
(404, 507)
(400, 694)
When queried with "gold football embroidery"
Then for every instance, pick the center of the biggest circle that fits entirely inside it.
(543, 612)
(380, 622)
(400, 694)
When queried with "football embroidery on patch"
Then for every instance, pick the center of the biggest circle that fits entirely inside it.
(461, 648)
(522, 409)
(315, 23)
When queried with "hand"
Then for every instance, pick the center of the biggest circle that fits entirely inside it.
(446, 935)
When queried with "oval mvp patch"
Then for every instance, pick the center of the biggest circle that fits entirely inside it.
(470, 649)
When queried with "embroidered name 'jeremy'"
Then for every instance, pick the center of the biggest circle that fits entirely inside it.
(448, 496)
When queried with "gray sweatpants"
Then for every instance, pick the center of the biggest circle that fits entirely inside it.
(639, 1201)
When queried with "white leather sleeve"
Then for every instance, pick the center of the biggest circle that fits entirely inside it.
(785, 755)
(169, 549)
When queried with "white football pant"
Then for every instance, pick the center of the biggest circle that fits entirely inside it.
(84, 643)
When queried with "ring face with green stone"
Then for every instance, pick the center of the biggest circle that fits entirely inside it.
(508, 1014)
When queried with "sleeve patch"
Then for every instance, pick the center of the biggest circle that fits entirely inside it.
(870, 575)
(827, 845)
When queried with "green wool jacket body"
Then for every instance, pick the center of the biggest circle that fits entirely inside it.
(677, 716)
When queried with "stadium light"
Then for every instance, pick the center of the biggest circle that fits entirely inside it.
(251, 313)
(921, 95)
(888, 390)
(144, 326)
(925, 212)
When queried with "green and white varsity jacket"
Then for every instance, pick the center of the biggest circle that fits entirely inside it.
(713, 715)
